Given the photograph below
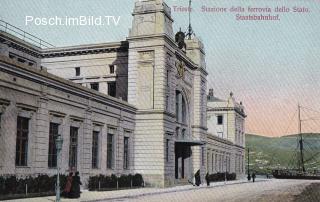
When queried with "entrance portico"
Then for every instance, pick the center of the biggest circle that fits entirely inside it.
(183, 160)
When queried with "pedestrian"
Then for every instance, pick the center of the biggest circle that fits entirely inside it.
(249, 177)
(253, 176)
(208, 179)
(67, 188)
(75, 188)
(197, 178)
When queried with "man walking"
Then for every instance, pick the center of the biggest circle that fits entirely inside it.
(253, 176)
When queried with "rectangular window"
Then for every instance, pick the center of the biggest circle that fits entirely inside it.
(0, 123)
(22, 141)
(21, 60)
(110, 151)
(202, 156)
(77, 69)
(112, 89)
(95, 149)
(94, 86)
(212, 162)
(177, 105)
(168, 77)
(126, 153)
(52, 153)
(219, 119)
(167, 102)
(167, 149)
(208, 165)
(216, 162)
(184, 111)
(73, 147)
(183, 133)
(111, 68)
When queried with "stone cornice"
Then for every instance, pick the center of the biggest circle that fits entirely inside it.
(121, 46)
(18, 44)
(220, 109)
(218, 139)
(24, 46)
(178, 52)
(53, 81)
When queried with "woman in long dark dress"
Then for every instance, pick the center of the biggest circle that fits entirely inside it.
(75, 188)
(67, 190)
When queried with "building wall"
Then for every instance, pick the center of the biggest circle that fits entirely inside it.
(153, 80)
(94, 62)
(44, 98)
(231, 144)
(28, 54)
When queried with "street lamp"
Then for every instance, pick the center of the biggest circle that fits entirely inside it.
(59, 142)
(249, 177)
(225, 173)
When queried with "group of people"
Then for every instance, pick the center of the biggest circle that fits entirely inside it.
(72, 187)
(253, 175)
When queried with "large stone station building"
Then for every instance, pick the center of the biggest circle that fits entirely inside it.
(134, 106)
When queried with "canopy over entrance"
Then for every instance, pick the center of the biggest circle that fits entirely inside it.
(190, 142)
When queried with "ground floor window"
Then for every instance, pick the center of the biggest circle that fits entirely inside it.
(52, 152)
(22, 141)
(95, 149)
(110, 151)
(73, 147)
(167, 149)
(202, 156)
(126, 153)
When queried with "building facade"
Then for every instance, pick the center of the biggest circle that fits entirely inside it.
(226, 135)
(135, 106)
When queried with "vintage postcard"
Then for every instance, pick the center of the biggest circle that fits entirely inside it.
(160, 100)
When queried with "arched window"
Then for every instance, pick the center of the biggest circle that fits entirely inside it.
(181, 108)
(184, 111)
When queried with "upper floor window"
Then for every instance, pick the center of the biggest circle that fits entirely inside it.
(219, 119)
(177, 105)
(22, 141)
(94, 86)
(111, 69)
(184, 111)
(77, 69)
(181, 108)
(112, 89)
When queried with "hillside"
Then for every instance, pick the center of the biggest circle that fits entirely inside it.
(267, 153)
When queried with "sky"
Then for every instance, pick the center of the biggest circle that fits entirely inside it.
(270, 66)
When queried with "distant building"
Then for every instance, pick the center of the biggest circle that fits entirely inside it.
(226, 135)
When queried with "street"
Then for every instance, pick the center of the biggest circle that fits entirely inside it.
(236, 191)
(271, 190)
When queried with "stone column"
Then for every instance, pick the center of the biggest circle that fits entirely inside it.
(41, 136)
(86, 148)
(8, 138)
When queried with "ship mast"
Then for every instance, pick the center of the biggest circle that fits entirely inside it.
(300, 141)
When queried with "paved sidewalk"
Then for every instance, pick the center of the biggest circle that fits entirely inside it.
(132, 193)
